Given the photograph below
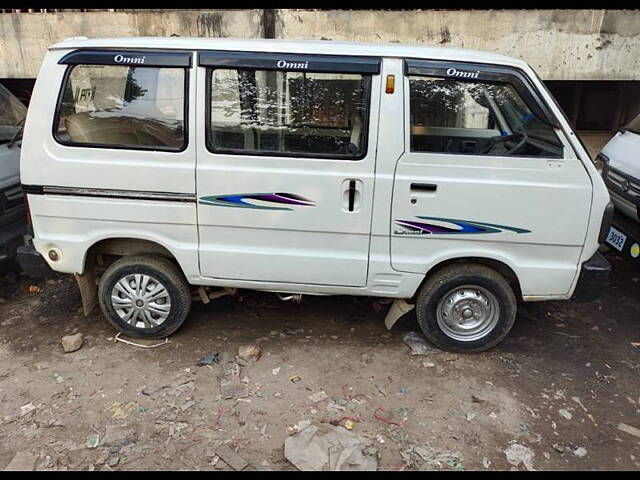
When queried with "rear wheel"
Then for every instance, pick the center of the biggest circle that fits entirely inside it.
(144, 296)
(466, 308)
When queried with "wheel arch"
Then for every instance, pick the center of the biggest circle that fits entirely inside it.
(498, 265)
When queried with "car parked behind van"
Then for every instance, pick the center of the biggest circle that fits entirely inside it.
(13, 220)
(619, 162)
(444, 179)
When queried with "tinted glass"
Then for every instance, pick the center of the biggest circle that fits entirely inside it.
(288, 113)
(123, 106)
(476, 118)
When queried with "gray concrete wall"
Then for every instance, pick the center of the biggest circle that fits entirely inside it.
(560, 44)
(24, 37)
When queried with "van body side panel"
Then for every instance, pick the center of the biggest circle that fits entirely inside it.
(529, 213)
(74, 223)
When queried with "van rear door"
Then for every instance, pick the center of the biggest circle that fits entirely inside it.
(285, 169)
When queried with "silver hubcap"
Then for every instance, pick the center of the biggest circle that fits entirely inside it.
(468, 313)
(141, 301)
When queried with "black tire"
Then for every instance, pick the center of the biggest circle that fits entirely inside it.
(160, 269)
(449, 278)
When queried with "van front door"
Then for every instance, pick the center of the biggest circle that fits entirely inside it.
(486, 174)
(286, 166)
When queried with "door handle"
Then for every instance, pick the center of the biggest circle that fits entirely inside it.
(351, 195)
(424, 187)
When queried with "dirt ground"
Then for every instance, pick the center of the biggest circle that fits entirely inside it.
(556, 389)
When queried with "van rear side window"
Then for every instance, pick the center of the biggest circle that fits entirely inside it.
(287, 113)
(123, 107)
(476, 117)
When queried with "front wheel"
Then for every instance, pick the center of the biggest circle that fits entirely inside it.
(144, 296)
(466, 308)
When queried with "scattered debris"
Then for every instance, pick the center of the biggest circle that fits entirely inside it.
(418, 344)
(327, 447)
(566, 414)
(34, 289)
(517, 454)
(209, 359)
(629, 429)
(231, 458)
(318, 397)
(118, 436)
(93, 441)
(26, 409)
(295, 378)
(230, 384)
(580, 452)
(118, 339)
(275, 371)
(414, 455)
(120, 411)
(23, 462)
(71, 343)
(251, 352)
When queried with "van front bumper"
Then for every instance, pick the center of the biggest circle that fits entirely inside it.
(594, 278)
(32, 263)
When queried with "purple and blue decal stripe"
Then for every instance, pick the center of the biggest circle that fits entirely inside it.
(464, 226)
(240, 200)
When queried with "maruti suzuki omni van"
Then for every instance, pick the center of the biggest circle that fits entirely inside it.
(447, 180)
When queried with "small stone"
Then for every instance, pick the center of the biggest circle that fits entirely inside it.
(71, 343)
(629, 429)
(26, 409)
(565, 414)
(231, 458)
(580, 452)
(251, 352)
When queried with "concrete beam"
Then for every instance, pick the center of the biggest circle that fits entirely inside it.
(559, 44)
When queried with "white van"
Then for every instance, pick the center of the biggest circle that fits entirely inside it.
(441, 178)
(619, 161)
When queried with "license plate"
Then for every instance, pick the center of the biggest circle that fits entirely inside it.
(616, 238)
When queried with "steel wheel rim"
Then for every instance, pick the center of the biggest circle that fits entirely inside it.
(141, 301)
(468, 313)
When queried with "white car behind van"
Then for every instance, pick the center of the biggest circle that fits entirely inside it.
(620, 164)
(447, 180)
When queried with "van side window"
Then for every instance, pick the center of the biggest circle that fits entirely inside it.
(288, 113)
(123, 107)
(477, 118)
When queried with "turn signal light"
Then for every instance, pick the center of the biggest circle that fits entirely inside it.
(391, 84)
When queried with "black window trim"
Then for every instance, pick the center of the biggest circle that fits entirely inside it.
(108, 146)
(316, 63)
(486, 73)
(137, 58)
(263, 153)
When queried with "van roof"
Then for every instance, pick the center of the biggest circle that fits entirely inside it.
(329, 47)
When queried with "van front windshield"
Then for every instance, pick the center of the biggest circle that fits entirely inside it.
(12, 113)
(634, 125)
